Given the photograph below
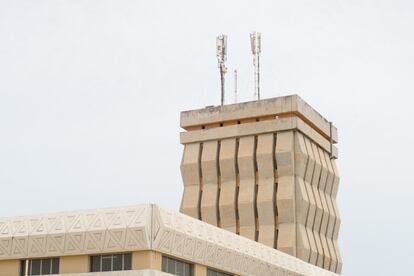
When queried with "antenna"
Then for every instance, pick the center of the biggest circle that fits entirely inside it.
(235, 86)
(255, 43)
(221, 51)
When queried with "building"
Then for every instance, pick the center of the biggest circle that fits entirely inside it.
(262, 171)
(145, 239)
(265, 170)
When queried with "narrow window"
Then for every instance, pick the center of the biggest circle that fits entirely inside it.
(110, 262)
(39, 266)
(55, 266)
(46, 266)
(95, 263)
(35, 267)
(176, 267)
(127, 261)
(107, 263)
(117, 263)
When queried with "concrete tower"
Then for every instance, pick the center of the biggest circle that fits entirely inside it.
(265, 170)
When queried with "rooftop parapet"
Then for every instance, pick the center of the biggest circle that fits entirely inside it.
(285, 106)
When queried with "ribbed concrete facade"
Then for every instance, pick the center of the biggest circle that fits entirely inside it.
(265, 170)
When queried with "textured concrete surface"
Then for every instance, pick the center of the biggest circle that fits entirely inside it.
(284, 181)
(146, 230)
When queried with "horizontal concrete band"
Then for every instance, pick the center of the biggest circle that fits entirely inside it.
(256, 128)
(292, 104)
(144, 227)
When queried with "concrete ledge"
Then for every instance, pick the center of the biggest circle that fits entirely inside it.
(256, 128)
(291, 104)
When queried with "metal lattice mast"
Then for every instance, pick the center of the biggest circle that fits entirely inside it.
(255, 43)
(221, 52)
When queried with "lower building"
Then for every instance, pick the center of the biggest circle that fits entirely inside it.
(134, 241)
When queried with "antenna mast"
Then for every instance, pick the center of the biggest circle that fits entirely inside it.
(235, 86)
(255, 43)
(221, 51)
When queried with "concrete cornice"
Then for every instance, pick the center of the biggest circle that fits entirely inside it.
(255, 128)
(291, 104)
(144, 227)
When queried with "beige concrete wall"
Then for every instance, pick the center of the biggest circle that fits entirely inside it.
(305, 175)
(10, 267)
(146, 260)
(74, 264)
(333, 228)
(200, 270)
(316, 214)
(306, 247)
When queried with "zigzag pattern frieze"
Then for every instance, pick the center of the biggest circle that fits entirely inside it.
(84, 232)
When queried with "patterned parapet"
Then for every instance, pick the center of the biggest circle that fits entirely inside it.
(76, 233)
(143, 228)
(265, 170)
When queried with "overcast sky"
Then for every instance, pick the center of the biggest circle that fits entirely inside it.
(90, 95)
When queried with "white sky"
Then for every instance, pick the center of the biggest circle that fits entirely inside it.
(90, 95)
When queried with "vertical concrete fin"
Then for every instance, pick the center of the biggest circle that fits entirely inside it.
(335, 230)
(319, 211)
(266, 188)
(304, 248)
(286, 192)
(326, 212)
(209, 169)
(334, 219)
(190, 172)
(246, 197)
(228, 174)
(309, 176)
